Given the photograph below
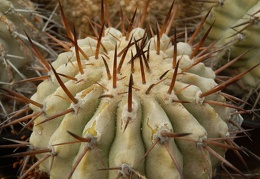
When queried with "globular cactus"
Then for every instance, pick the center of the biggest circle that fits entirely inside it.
(17, 62)
(16, 16)
(237, 29)
(128, 95)
(124, 104)
(17, 19)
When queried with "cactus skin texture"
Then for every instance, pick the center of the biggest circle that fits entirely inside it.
(116, 113)
(127, 105)
(81, 17)
(237, 28)
(19, 18)
(13, 52)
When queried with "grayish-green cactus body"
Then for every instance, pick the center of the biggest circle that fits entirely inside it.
(237, 30)
(18, 17)
(121, 111)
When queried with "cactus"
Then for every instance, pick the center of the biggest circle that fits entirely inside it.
(129, 105)
(237, 31)
(124, 104)
(16, 16)
(81, 16)
(124, 108)
(17, 61)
